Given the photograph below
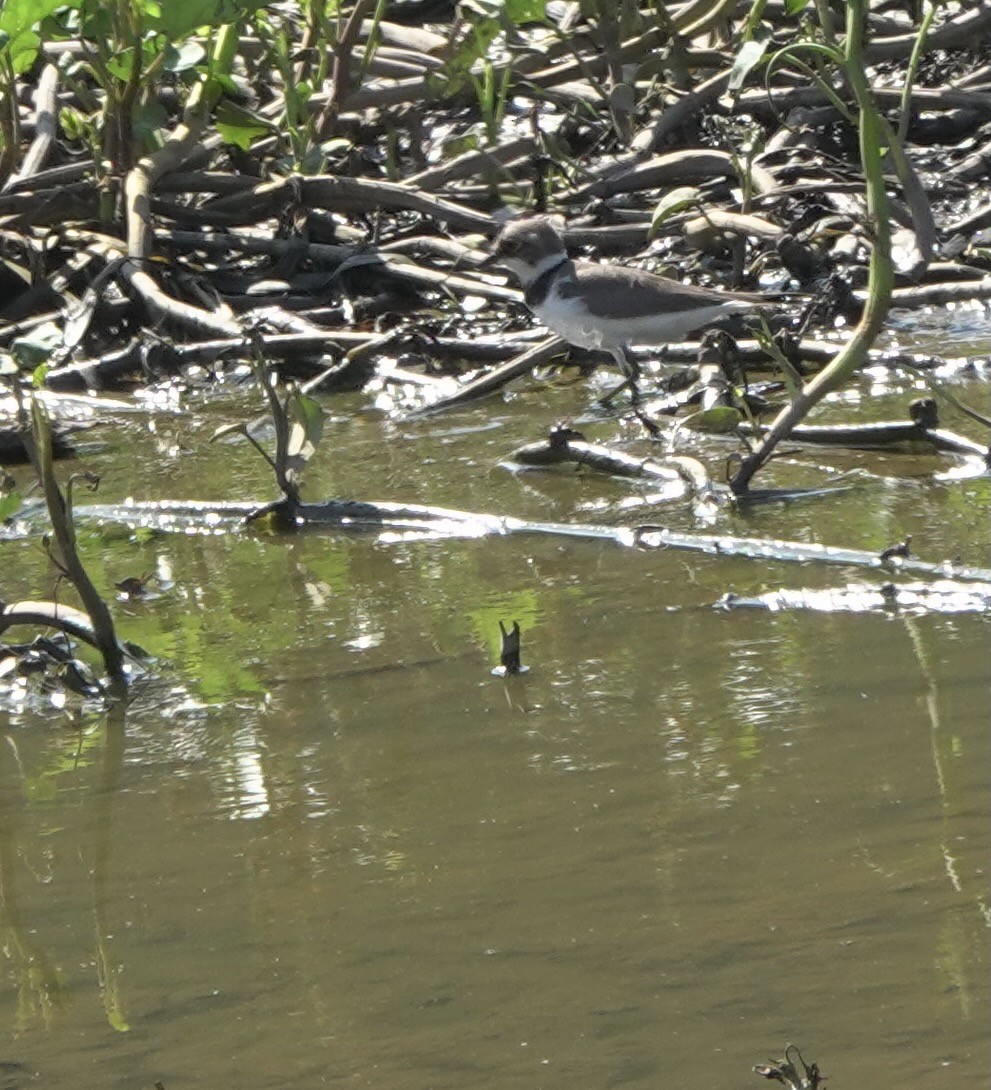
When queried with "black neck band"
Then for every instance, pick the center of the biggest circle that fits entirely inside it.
(537, 292)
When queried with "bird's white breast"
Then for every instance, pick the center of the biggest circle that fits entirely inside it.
(568, 317)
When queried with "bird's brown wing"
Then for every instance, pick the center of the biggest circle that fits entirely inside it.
(622, 292)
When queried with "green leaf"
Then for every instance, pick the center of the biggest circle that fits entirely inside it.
(313, 161)
(717, 421)
(298, 450)
(218, 84)
(177, 19)
(23, 51)
(307, 429)
(454, 74)
(526, 11)
(10, 504)
(149, 118)
(747, 58)
(182, 58)
(793, 7)
(39, 374)
(673, 202)
(37, 347)
(505, 11)
(18, 16)
(457, 145)
(121, 64)
(240, 127)
(304, 432)
(73, 123)
(97, 23)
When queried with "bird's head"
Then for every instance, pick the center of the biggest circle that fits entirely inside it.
(529, 247)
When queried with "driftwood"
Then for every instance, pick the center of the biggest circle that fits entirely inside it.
(417, 521)
(73, 622)
(919, 435)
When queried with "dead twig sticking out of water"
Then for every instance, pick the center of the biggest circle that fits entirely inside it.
(510, 662)
(37, 434)
(297, 420)
(787, 1071)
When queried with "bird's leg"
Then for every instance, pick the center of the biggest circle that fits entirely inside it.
(631, 376)
(631, 369)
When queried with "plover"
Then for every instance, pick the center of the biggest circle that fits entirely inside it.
(608, 307)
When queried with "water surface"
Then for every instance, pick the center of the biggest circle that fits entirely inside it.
(325, 846)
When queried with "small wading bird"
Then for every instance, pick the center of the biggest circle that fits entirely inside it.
(608, 307)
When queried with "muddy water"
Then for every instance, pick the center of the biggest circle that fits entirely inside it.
(325, 846)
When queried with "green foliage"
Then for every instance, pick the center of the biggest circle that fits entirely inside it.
(487, 19)
(20, 21)
(10, 504)
(748, 56)
(35, 348)
(176, 19)
(455, 73)
(128, 46)
(298, 421)
(305, 431)
(298, 122)
(720, 420)
(468, 61)
(673, 202)
(519, 12)
(147, 120)
(239, 126)
(491, 91)
(187, 56)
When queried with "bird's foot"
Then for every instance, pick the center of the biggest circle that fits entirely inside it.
(652, 429)
(607, 398)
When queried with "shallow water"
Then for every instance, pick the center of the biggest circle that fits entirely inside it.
(325, 845)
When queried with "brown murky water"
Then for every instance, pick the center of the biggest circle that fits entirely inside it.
(326, 846)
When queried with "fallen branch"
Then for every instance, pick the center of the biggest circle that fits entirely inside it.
(494, 380)
(73, 622)
(190, 516)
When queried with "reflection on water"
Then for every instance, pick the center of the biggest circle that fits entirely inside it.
(247, 791)
(686, 835)
(329, 846)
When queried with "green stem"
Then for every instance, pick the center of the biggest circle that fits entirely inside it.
(881, 273)
(10, 124)
(913, 67)
(38, 441)
(826, 23)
